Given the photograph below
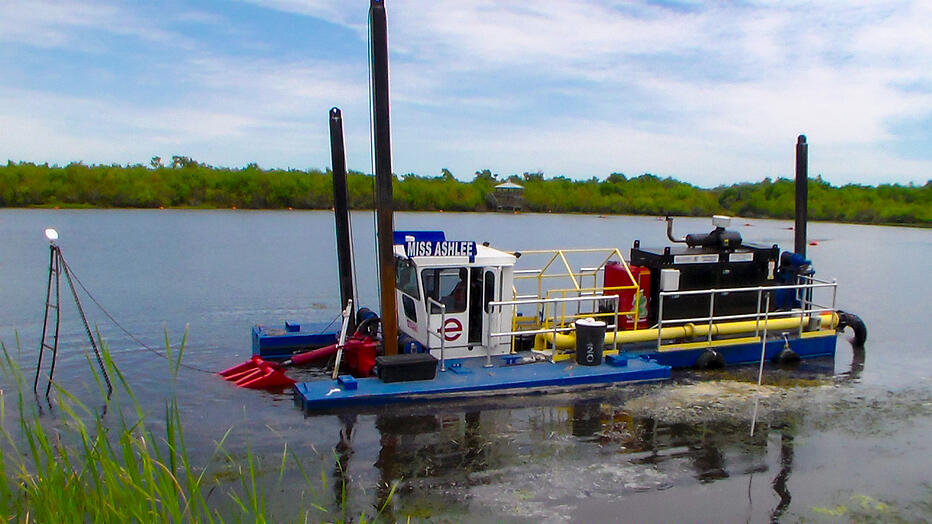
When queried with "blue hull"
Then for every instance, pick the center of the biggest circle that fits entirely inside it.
(809, 347)
(470, 379)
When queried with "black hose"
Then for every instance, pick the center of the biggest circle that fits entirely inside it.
(368, 327)
(857, 327)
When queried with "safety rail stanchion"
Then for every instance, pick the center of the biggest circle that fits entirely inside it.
(555, 331)
(802, 307)
(442, 331)
(711, 312)
(757, 315)
(660, 320)
(615, 300)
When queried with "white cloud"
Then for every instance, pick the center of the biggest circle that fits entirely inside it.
(707, 92)
(71, 25)
(769, 73)
(241, 111)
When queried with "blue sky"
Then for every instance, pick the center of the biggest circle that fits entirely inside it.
(707, 92)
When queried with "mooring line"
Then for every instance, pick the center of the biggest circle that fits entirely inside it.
(124, 330)
(87, 329)
(140, 342)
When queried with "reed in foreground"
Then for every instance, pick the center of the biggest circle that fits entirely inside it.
(88, 467)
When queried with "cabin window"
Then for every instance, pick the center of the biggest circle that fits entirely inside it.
(449, 286)
(409, 307)
(489, 291)
(406, 278)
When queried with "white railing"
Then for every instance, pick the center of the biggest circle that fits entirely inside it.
(557, 326)
(804, 292)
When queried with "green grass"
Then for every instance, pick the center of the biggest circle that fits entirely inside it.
(109, 466)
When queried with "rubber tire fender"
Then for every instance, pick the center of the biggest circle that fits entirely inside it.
(710, 359)
(786, 356)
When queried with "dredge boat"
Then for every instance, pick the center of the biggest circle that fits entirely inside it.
(465, 319)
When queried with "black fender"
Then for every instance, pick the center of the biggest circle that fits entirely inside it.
(710, 359)
(786, 356)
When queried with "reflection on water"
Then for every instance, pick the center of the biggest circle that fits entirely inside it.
(533, 457)
(589, 448)
(780, 482)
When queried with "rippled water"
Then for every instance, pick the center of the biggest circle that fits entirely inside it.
(834, 439)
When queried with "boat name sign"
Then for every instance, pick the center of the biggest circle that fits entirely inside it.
(440, 248)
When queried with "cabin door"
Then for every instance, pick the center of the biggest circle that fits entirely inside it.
(484, 288)
(451, 286)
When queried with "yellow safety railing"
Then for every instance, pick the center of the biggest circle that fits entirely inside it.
(556, 278)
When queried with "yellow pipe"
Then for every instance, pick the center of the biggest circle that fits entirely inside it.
(568, 340)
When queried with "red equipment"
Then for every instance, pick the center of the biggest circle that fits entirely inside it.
(359, 354)
(628, 300)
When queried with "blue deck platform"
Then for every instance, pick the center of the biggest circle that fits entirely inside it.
(269, 342)
(468, 378)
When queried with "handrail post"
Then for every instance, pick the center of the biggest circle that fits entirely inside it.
(443, 335)
(442, 330)
(615, 300)
(555, 331)
(660, 321)
(488, 346)
(711, 313)
(834, 292)
(802, 308)
(757, 315)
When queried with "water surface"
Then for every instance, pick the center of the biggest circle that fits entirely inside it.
(846, 433)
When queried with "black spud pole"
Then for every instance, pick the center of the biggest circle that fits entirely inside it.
(378, 36)
(341, 213)
(802, 193)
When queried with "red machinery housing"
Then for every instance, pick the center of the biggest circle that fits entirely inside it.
(631, 301)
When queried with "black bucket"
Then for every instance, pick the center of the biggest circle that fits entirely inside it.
(590, 337)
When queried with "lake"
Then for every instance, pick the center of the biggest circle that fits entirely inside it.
(835, 439)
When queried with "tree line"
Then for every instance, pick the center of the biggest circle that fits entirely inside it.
(190, 184)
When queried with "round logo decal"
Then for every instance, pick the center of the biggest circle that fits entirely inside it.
(452, 329)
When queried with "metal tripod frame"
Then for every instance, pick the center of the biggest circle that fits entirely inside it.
(57, 266)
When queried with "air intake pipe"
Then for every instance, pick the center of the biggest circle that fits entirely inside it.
(719, 238)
